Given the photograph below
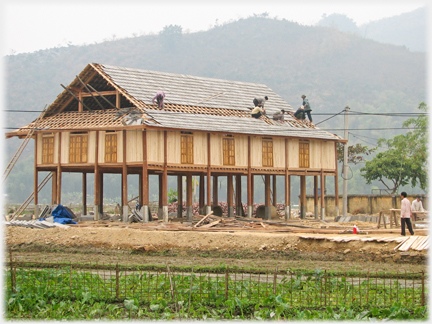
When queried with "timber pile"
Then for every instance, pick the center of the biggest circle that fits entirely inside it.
(418, 243)
(35, 224)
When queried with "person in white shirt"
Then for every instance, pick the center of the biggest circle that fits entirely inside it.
(417, 205)
(405, 214)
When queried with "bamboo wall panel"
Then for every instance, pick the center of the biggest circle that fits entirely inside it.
(256, 151)
(91, 155)
(315, 148)
(39, 149)
(133, 146)
(216, 149)
(64, 149)
(293, 153)
(279, 152)
(200, 148)
(174, 147)
(56, 145)
(241, 151)
(328, 156)
(155, 146)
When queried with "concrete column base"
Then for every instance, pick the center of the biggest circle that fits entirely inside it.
(322, 213)
(267, 212)
(189, 213)
(287, 212)
(125, 214)
(145, 213)
(249, 211)
(208, 210)
(165, 214)
(316, 212)
(303, 212)
(337, 210)
(97, 212)
(36, 212)
(230, 211)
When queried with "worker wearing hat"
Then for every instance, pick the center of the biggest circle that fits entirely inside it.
(279, 115)
(306, 107)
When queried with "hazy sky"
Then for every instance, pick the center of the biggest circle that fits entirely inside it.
(29, 26)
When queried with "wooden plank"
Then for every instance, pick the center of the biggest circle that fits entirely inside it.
(406, 245)
(417, 242)
(211, 224)
(424, 243)
(202, 220)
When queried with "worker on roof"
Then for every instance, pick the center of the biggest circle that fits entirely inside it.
(259, 102)
(306, 107)
(160, 95)
(300, 113)
(279, 115)
(257, 112)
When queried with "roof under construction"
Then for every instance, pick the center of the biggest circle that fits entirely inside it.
(191, 103)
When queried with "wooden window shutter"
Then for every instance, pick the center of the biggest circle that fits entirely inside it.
(48, 149)
(187, 149)
(267, 153)
(78, 147)
(304, 154)
(228, 151)
(110, 147)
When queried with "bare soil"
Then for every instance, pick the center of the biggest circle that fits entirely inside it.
(250, 249)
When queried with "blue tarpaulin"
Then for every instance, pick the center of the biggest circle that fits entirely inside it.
(62, 216)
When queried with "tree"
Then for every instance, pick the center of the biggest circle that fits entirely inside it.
(355, 152)
(405, 159)
(171, 36)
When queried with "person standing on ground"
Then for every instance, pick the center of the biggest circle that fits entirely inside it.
(160, 95)
(306, 107)
(405, 214)
(417, 205)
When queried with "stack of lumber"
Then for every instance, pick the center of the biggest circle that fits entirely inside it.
(35, 224)
(418, 243)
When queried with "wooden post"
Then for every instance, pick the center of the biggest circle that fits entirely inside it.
(336, 182)
(144, 185)
(54, 188)
(303, 196)
(230, 195)
(160, 204)
(287, 184)
(35, 182)
(274, 190)
(238, 195)
(201, 202)
(267, 197)
(215, 191)
(179, 196)
(59, 171)
(84, 193)
(140, 189)
(316, 197)
(124, 182)
(165, 180)
(97, 179)
(249, 183)
(189, 210)
(209, 204)
(322, 195)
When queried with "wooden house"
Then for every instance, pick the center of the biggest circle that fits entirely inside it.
(105, 122)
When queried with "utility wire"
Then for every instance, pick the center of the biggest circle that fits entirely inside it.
(330, 117)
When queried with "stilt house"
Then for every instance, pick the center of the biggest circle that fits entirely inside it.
(105, 122)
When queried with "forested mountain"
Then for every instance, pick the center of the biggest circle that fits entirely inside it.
(332, 68)
(407, 29)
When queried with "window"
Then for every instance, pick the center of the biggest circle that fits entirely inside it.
(267, 152)
(110, 147)
(228, 151)
(304, 154)
(187, 149)
(78, 148)
(48, 149)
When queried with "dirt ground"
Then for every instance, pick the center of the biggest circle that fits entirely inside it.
(267, 248)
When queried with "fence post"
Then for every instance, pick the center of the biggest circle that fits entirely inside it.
(274, 281)
(226, 283)
(12, 272)
(325, 287)
(117, 281)
(422, 293)
(70, 280)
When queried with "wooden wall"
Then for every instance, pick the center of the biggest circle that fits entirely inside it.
(322, 153)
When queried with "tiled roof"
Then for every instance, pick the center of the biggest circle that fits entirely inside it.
(191, 102)
(254, 126)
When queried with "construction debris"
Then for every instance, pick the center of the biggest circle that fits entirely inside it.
(35, 224)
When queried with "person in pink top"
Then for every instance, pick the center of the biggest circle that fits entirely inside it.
(405, 214)
(160, 95)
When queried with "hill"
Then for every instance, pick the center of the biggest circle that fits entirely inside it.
(332, 68)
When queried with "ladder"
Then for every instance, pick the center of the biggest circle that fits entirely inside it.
(22, 146)
(31, 197)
